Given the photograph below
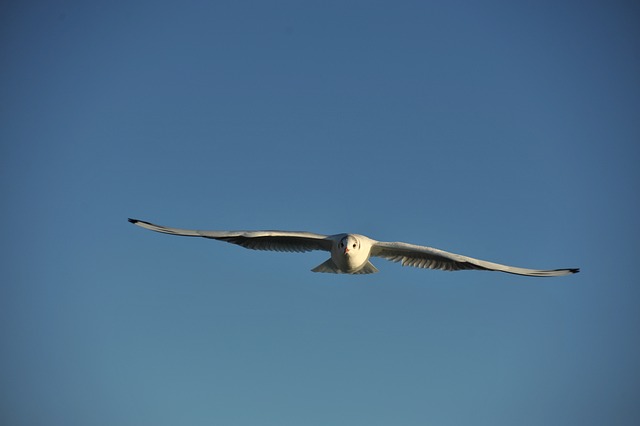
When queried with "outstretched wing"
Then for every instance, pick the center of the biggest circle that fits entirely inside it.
(256, 240)
(428, 257)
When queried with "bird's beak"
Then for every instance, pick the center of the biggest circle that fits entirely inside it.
(346, 250)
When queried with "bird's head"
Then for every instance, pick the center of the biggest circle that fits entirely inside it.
(349, 245)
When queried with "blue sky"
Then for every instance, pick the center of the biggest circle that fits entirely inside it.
(501, 130)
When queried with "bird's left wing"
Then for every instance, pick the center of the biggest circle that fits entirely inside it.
(428, 257)
(287, 241)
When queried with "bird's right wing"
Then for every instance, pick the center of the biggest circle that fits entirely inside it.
(288, 241)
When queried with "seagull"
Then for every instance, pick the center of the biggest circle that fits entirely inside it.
(350, 253)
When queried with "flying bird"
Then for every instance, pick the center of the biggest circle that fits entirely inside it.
(350, 253)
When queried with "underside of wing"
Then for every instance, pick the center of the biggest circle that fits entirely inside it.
(431, 258)
(286, 241)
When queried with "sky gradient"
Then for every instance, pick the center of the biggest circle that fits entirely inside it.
(507, 131)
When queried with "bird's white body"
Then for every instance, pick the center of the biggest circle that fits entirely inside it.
(350, 253)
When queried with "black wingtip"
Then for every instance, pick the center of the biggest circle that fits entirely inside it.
(132, 220)
(574, 270)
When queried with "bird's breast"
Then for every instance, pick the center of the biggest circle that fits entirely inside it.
(349, 262)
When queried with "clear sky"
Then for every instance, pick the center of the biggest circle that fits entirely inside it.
(504, 130)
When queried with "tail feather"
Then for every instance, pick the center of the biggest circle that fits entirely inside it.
(328, 266)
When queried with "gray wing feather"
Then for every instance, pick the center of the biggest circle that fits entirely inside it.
(428, 257)
(286, 241)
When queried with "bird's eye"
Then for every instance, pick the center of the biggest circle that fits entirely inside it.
(354, 245)
(341, 244)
